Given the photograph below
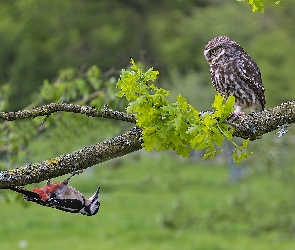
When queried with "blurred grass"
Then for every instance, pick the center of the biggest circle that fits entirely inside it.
(158, 201)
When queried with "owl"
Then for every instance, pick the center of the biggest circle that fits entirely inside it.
(233, 72)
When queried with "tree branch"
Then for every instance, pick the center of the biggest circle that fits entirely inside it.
(254, 125)
(78, 160)
(49, 109)
(251, 126)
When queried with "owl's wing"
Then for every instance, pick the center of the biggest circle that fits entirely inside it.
(250, 72)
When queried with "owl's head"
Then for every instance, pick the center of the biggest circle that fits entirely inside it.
(221, 49)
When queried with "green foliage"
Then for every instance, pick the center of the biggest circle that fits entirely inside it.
(84, 87)
(34, 48)
(259, 5)
(277, 2)
(176, 126)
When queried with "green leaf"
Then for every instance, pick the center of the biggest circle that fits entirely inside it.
(256, 5)
(277, 2)
(207, 120)
(176, 126)
(229, 104)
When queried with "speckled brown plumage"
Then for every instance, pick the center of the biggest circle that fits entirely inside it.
(233, 72)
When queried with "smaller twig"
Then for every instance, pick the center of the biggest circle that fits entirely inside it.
(49, 109)
(226, 136)
(45, 119)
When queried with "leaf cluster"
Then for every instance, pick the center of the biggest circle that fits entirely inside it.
(84, 87)
(176, 125)
(259, 5)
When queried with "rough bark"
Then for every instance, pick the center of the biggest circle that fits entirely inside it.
(78, 160)
(251, 126)
(255, 125)
(49, 109)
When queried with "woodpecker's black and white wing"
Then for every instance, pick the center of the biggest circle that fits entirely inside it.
(87, 207)
(67, 205)
(26, 193)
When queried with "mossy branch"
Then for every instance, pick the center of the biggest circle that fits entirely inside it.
(49, 109)
(78, 160)
(254, 125)
(251, 126)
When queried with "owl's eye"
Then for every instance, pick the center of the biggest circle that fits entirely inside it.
(213, 51)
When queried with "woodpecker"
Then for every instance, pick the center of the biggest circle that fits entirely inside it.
(61, 196)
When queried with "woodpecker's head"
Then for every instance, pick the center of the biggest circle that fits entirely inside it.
(91, 205)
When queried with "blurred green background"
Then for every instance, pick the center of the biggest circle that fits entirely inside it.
(148, 200)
